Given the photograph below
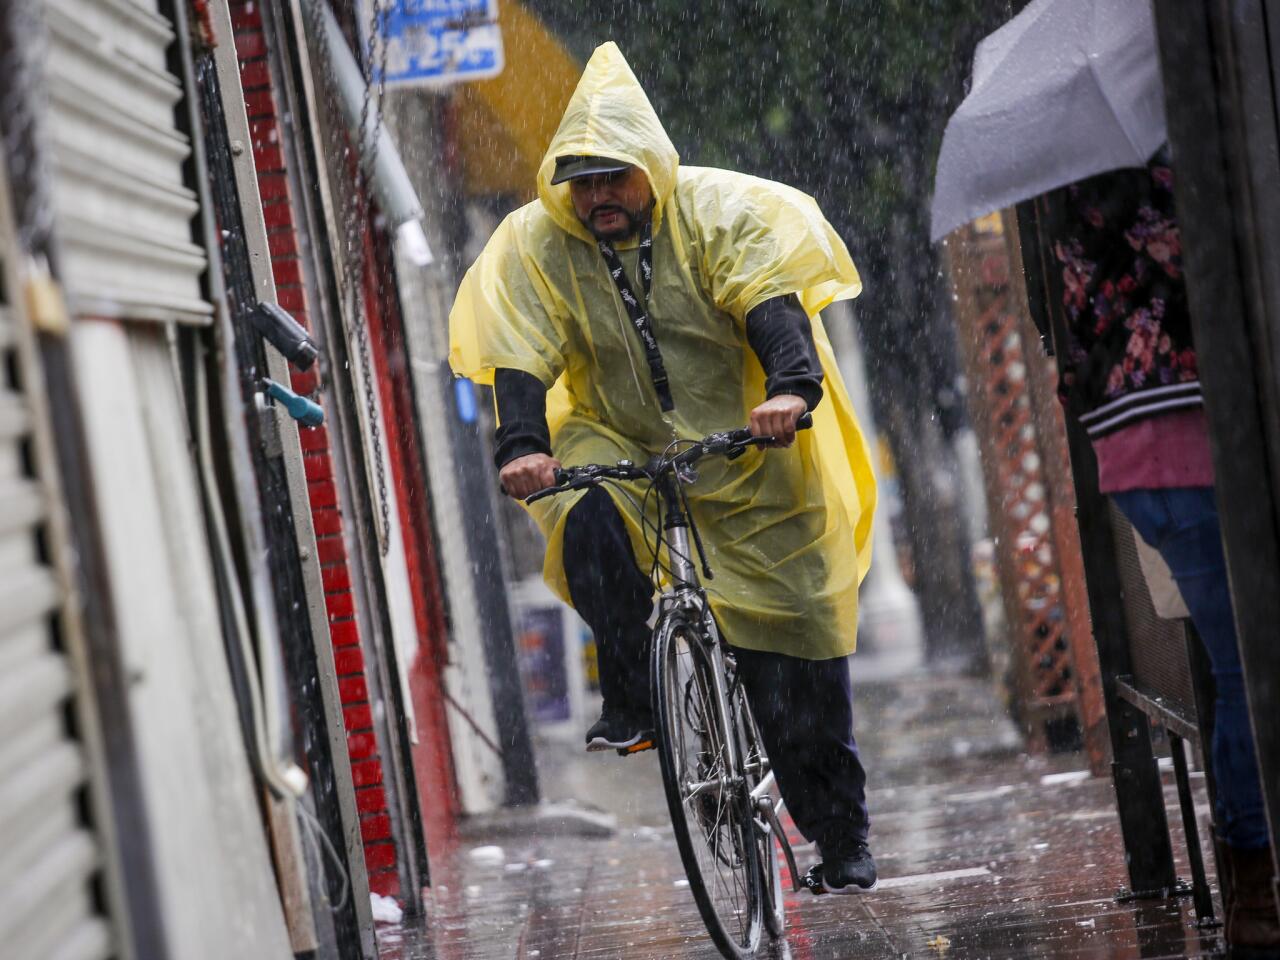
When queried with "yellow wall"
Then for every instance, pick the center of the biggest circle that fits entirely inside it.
(503, 125)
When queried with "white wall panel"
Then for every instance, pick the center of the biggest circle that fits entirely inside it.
(212, 864)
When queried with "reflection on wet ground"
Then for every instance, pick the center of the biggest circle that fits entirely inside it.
(984, 853)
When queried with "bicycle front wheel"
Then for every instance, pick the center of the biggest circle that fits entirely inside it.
(707, 792)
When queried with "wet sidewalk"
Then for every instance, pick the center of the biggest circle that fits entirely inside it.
(983, 853)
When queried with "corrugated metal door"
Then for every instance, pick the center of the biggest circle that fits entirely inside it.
(51, 860)
(123, 212)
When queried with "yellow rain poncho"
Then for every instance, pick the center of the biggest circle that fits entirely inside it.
(788, 532)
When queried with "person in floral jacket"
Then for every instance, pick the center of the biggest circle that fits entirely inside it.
(1129, 354)
(1129, 376)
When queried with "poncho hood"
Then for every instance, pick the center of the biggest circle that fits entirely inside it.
(609, 115)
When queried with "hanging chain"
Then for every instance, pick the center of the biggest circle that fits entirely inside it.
(365, 166)
(357, 210)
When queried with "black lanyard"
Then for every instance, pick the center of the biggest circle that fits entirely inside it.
(637, 311)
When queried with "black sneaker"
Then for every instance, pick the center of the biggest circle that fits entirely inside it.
(621, 732)
(845, 873)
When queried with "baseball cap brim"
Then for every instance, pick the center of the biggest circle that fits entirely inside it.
(571, 168)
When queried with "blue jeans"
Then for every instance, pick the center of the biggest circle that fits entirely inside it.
(1182, 525)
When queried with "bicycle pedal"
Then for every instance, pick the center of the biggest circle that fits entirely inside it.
(640, 747)
(812, 881)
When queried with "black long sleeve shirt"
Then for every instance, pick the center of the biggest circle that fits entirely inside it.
(778, 332)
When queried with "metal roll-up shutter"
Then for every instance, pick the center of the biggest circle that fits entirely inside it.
(123, 211)
(51, 859)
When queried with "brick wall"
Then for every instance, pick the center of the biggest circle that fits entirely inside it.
(326, 514)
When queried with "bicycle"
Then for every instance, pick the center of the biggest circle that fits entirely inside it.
(715, 771)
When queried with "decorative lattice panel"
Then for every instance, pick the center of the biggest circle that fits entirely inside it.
(1018, 455)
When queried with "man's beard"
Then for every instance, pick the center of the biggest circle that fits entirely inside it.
(634, 221)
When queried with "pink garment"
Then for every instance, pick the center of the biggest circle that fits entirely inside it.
(1170, 450)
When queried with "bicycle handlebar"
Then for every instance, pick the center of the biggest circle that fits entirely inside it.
(729, 443)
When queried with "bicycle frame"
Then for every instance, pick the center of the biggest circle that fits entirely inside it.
(684, 604)
(686, 597)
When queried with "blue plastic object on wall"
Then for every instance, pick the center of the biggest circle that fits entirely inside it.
(306, 412)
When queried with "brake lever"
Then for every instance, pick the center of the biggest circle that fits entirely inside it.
(575, 483)
(534, 497)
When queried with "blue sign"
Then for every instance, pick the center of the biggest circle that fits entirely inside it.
(438, 42)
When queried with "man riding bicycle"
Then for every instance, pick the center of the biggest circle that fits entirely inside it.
(636, 302)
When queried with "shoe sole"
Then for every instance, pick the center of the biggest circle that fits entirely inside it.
(849, 889)
(637, 743)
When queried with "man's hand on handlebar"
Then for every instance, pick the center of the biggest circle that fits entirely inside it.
(777, 417)
(534, 477)
(527, 475)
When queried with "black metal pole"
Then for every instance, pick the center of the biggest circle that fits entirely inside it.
(1204, 690)
(1199, 882)
(506, 690)
(1221, 107)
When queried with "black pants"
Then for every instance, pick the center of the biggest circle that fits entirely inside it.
(804, 707)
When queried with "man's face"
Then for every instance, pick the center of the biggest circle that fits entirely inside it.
(612, 205)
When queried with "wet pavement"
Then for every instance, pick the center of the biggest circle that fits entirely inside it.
(983, 853)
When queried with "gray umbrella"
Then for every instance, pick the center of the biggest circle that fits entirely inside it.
(1065, 90)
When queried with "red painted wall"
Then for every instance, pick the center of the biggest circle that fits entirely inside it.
(433, 754)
